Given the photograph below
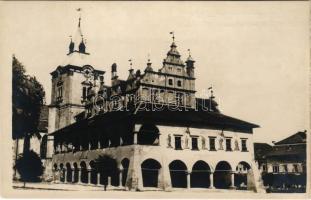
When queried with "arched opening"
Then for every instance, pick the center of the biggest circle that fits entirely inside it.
(178, 172)
(240, 177)
(200, 175)
(125, 165)
(69, 172)
(55, 167)
(107, 167)
(150, 172)
(62, 172)
(76, 173)
(148, 135)
(84, 173)
(93, 173)
(222, 175)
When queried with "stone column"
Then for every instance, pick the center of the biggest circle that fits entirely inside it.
(98, 178)
(98, 145)
(108, 181)
(120, 177)
(89, 176)
(72, 176)
(211, 186)
(65, 175)
(135, 138)
(188, 180)
(232, 180)
(79, 175)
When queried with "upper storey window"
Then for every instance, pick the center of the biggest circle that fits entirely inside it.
(178, 143)
(228, 144)
(179, 83)
(194, 143)
(244, 144)
(212, 144)
(170, 81)
(59, 93)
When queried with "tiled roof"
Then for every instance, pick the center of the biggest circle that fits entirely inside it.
(261, 150)
(299, 137)
(192, 118)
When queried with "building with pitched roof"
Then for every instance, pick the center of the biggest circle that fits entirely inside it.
(147, 132)
(284, 164)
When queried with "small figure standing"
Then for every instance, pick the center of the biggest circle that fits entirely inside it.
(221, 144)
(203, 143)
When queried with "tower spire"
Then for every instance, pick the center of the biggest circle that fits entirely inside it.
(79, 10)
(173, 35)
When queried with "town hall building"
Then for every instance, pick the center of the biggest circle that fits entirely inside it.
(145, 132)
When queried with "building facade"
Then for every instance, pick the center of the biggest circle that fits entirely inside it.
(284, 166)
(147, 132)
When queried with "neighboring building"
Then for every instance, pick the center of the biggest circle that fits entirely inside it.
(37, 142)
(261, 150)
(146, 132)
(284, 166)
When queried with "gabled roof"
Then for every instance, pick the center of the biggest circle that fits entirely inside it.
(299, 137)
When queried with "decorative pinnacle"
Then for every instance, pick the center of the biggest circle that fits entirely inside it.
(130, 60)
(148, 58)
(173, 35)
(79, 10)
(189, 52)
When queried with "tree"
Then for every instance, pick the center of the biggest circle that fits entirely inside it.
(27, 100)
(29, 166)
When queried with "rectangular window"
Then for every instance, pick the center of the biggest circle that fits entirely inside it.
(59, 94)
(178, 143)
(228, 144)
(170, 81)
(244, 144)
(212, 144)
(275, 169)
(295, 168)
(194, 143)
(179, 83)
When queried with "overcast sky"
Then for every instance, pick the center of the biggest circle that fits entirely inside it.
(255, 54)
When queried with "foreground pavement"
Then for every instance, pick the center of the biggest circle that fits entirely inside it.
(90, 191)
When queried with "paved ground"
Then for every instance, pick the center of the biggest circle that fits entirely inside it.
(90, 191)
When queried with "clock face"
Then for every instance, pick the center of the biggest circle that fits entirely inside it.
(87, 72)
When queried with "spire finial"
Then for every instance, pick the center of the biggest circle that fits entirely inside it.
(130, 60)
(211, 97)
(148, 58)
(173, 35)
(189, 52)
(79, 10)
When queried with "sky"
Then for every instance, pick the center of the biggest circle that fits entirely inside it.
(254, 54)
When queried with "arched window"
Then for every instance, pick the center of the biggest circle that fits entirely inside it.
(148, 135)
